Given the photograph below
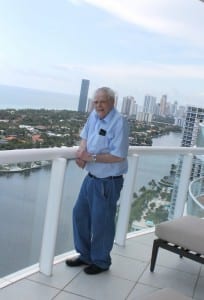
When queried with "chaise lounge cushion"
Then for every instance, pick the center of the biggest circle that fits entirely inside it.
(187, 232)
(165, 294)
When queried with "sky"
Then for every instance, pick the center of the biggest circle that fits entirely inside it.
(136, 47)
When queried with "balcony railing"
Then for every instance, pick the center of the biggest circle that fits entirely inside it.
(196, 197)
(57, 179)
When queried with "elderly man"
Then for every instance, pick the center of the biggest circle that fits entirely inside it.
(103, 152)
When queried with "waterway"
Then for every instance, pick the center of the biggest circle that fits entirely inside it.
(173, 139)
(23, 202)
(154, 166)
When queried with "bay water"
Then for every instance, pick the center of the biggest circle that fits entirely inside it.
(157, 166)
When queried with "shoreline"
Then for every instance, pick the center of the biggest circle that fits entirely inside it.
(17, 169)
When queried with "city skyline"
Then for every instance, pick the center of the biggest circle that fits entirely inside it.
(135, 47)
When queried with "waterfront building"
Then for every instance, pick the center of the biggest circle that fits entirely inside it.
(149, 104)
(90, 105)
(190, 138)
(179, 116)
(163, 105)
(128, 106)
(167, 111)
(144, 117)
(178, 121)
(173, 108)
(83, 95)
(200, 137)
(157, 109)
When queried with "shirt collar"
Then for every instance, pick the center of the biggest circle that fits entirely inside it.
(108, 117)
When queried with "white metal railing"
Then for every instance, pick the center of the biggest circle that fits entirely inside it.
(196, 189)
(28, 155)
(58, 156)
(52, 215)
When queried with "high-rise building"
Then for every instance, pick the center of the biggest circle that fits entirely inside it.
(179, 117)
(128, 106)
(163, 105)
(173, 108)
(194, 116)
(83, 95)
(90, 105)
(144, 117)
(149, 104)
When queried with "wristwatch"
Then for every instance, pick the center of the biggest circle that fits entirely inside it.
(93, 157)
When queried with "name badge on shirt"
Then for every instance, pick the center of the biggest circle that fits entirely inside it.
(102, 132)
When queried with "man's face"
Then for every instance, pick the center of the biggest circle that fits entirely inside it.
(102, 104)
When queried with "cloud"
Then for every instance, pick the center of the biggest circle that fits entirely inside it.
(144, 70)
(180, 19)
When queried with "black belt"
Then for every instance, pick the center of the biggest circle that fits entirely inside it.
(109, 177)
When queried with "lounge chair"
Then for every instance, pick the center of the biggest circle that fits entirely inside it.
(184, 236)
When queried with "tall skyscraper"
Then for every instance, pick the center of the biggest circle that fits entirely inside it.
(163, 105)
(128, 106)
(149, 104)
(83, 95)
(194, 115)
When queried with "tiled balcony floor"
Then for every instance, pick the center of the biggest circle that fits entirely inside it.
(129, 277)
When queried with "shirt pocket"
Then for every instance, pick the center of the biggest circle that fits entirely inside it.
(99, 143)
(102, 143)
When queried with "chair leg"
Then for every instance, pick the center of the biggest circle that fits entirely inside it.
(154, 254)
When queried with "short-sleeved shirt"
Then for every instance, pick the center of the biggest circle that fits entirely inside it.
(107, 135)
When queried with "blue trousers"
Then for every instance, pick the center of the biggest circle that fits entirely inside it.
(94, 219)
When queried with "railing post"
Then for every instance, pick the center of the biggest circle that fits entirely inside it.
(183, 185)
(52, 216)
(126, 201)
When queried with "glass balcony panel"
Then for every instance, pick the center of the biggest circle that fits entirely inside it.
(195, 204)
(72, 183)
(152, 191)
(24, 192)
